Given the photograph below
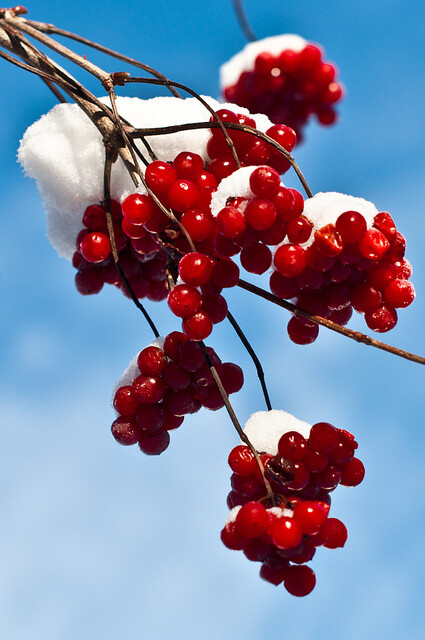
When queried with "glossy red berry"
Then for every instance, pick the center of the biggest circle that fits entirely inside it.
(95, 247)
(299, 580)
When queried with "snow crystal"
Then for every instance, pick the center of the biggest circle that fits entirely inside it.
(264, 428)
(244, 60)
(132, 370)
(64, 153)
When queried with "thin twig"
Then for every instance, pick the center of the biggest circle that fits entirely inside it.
(255, 359)
(349, 333)
(243, 21)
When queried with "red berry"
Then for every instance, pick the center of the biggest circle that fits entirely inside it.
(352, 473)
(231, 222)
(125, 431)
(151, 361)
(285, 533)
(299, 580)
(260, 213)
(252, 520)
(373, 244)
(335, 533)
(160, 176)
(182, 195)
(292, 446)
(198, 326)
(257, 258)
(241, 460)
(125, 402)
(399, 293)
(323, 437)
(264, 182)
(196, 268)
(310, 516)
(138, 208)
(351, 226)
(382, 320)
(290, 260)
(302, 331)
(95, 247)
(184, 301)
(154, 444)
(148, 389)
(188, 165)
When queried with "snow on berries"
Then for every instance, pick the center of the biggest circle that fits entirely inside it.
(284, 77)
(166, 381)
(352, 257)
(302, 464)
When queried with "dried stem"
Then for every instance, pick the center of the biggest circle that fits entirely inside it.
(243, 21)
(256, 360)
(235, 421)
(349, 333)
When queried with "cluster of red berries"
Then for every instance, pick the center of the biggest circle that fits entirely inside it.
(301, 475)
(141, 258)
(166, 384)
(346, 266)
(289, 87)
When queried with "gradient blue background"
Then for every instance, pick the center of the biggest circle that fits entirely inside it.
(99, 541)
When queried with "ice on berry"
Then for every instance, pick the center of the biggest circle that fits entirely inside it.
(245, 59)
(265, 428)
(232, 514)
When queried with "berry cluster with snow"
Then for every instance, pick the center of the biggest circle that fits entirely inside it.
(284, 77)
(302, 464)
(166, 381)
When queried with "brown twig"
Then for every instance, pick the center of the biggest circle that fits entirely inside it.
(243, 21)
(349, 333)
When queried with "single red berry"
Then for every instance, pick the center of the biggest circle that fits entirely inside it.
(382, 320)
(284, 135)
(351, 226)
(310, 516)
(138, 208)
(290, 260)
(299, 229)
(184, 300)
(188, 165)
(151, 361)
(286, 533)
(373, 244)
(384, 222)
(125, 431)
(328, 479)
(232, 377)
(160, 176)
(299, 580)
(302, 331)
(232, 538)
(196, 268)
(257, 258)
(252, 520)
(292, 446)
(352, 473)
(89, 282)
(335, 533)
(399, 293)
(264, 182)
(199, 224)
(182, 195)
(148, 389)
(154, 444)
(198, 326)
(328, 241)
(95, 247)
(231, 222)
(323, 437)
(125, 403)
(241, 460)
(260, 213)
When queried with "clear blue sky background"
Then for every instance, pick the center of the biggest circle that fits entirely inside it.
(99, 541)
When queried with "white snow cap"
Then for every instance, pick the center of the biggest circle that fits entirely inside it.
(265, 428)
(325, 208)
(64, 153)
(245, 59)
(132, 370)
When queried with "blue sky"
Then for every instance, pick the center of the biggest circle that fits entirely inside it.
(99, 541)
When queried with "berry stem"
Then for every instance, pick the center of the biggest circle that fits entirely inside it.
(243, 21)
(109, 154)
(256, 360)
(235, 421)
(349, 333)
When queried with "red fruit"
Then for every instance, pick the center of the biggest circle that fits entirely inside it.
(182, 195)
(94, 218)
(196, 268)
(299, 580)
(352, 473)
(151, 361)
(365, 298)
(95, 247)
(252, 520)
(232, 538)
(373, 244)
(232, 377)
(302, 331)
(257, 258)
(241, 460)
(231, 222)
(310, 516)
(154, 444)
(324, 437)
(260, 213)
(282, 287)
(188, 165)
(198, 327)
(384, 222)
(399, 293)
(275, 575)
(138, 208)
(225, 274)
(199, 224)
(125, 402)
(299, 229)
(150, 417)
(382, 320)
(284, 135)
(328, 479)
(89, 282)
(351, 226)
(335, 533)
(175, 378)
(285, 533)
(292, 446)
(148, 389)
(160, 176)
(290, 260)
(172, 342)
(184, 301)
(125, 431)
(328, 241)
(190, 356)
(264, 182)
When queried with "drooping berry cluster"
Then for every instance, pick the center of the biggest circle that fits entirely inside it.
(301, 474)
(354, 262)
(286, 78)
(167, 381)
(141, 258)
